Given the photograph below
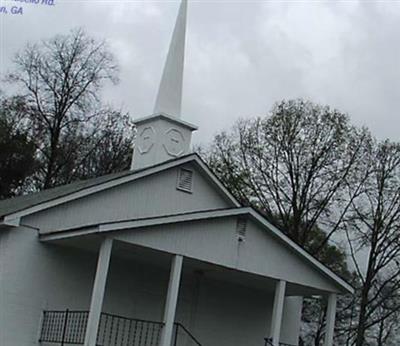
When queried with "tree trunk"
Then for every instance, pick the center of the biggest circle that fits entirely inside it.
(52, 160)
(380, 335)
(362, 317)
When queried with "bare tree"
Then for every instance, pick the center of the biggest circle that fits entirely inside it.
(60, 80)
(373, 231)
(109, 148)
(293, 165)
(386, 331)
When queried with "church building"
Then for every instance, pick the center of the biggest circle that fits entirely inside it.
(159, 255)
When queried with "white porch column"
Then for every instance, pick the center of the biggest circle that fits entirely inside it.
(99, 286)
(171, 301)
(277, 312)
(330, 319)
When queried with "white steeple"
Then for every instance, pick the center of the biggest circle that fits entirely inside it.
(169, 97)
(163, 135)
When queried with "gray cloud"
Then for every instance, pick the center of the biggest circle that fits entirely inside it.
(242, 56)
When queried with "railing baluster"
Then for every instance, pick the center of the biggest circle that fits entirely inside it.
(56, 326)
(135, 333)
(111, 329)
(116, 331)
(129, 333)
(146, 334)
(53, 325)
(153, 327)
(105, 317)
(123, 333)
(140, 333)
(159, 333)
(64, 331)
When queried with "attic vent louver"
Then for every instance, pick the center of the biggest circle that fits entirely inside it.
(185, 180)
(241, 228)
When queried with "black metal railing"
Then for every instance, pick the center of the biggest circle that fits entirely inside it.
(268, 342)
(68, 327)
(64, 327)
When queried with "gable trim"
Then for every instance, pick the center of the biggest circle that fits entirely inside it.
(298, 249)
(13, 219)
(142, 222)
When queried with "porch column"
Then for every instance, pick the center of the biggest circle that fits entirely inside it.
(330, 319)
(99, 286)
(277, 312)
(171, 301)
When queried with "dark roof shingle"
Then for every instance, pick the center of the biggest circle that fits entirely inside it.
(15, 204)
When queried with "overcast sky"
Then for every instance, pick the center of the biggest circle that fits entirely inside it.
(242, 56)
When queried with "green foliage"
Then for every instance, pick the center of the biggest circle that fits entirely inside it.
(17, 152)
(330, 254)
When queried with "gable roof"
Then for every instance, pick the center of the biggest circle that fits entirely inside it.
(14, 208)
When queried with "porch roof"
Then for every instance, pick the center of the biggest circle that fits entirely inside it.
(107, 228)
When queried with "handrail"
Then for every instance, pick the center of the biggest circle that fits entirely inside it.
(129, 318)
(191, 336)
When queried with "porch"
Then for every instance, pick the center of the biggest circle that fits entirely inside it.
(69, 328)
(188, 302)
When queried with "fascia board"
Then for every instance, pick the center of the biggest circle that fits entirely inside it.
(217, 182)
(69, 234)
(142, 223)
(296, 248)
(173, 219)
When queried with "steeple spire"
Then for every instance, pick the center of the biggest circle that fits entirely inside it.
(163, 135)
(169, 97)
